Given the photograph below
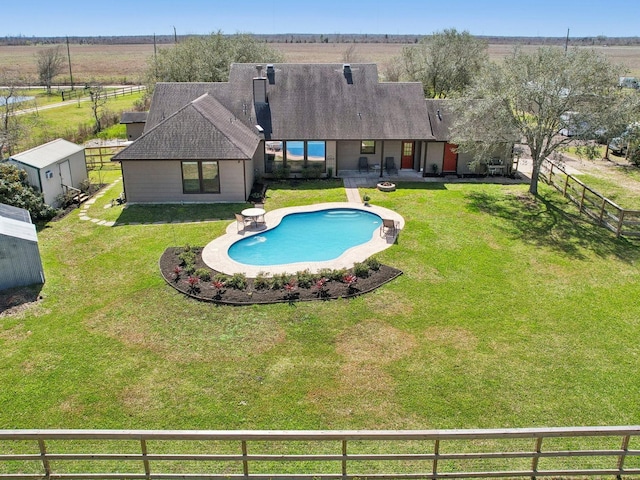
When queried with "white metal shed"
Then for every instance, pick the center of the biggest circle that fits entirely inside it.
(20, 262)
(53, 168)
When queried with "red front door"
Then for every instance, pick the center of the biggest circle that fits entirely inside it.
(450, 158)
(407, 155)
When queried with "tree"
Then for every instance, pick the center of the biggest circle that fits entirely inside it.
(16, 191)
(98, 101)
(51, 62)
(531, 97)
(446, 62)
(208, 58)
(13, 127)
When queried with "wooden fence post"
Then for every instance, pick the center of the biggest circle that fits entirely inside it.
(245, 463)
(604, 203)
(584, 191)
(45, 460)
(625, 449)
(620, 223)
(344, 458)
(145, 460)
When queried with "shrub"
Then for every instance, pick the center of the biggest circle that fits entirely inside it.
(305, 279)
(203, 274)
(281, 172)
(311, 172)
(190, 268)
(261, 282)
(361, 270)
(237, 281)
(187, 258)
(373, 263)
(279, 281)
(16, 191)
(338, 275)
(220, 277)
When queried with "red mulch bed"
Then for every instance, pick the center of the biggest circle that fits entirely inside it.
(205, 291)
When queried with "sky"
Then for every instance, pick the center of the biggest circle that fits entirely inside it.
(531, 18)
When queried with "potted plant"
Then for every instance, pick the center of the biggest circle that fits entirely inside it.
(366, 199)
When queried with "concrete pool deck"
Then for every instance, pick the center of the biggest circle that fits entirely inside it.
(216, 257)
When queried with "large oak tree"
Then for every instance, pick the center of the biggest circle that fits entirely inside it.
(445, 62)
(531, 97)
(208, 58)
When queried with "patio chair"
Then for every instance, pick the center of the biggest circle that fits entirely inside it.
(390, 165)
(242, 220)
(363, 164)
(388, 227)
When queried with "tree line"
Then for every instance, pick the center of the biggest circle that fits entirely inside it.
(600, 40)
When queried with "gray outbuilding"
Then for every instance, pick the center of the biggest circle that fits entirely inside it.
(135, 122)
(20, 263)
(55, 168)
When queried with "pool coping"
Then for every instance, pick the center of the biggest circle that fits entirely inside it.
(215, 254)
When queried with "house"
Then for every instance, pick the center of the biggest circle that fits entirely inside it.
(209, 142)
(54, 169)
(134, 122)
(443, 157)
(20, 261)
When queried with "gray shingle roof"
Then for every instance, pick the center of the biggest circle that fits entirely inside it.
(305, 102)
(439, 118)
(203, 129)
(133, 117)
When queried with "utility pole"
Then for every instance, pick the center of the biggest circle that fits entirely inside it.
(69, 57)
(175, 35)
(155, 56)
(566, 42)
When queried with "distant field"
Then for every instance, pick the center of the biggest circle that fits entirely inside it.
(127, 63)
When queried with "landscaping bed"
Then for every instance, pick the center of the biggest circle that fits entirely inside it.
(203, 283)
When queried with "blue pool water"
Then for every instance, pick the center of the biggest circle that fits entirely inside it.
(307, 237)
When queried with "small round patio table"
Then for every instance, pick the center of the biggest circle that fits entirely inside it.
(254, 214)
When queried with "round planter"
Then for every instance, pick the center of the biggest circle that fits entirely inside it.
(387, 187)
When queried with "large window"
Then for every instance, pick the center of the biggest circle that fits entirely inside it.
(367, 147)
(316, 155)
(274, 155)
(295, 155)
(200, 177)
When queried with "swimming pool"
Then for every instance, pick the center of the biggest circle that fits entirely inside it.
(307, 237)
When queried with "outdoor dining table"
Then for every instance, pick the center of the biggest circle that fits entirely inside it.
(254, 214)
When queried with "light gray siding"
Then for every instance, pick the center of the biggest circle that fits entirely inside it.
(331, 153)
(393, 148)
(160, 181)
(435, 155)
(134, 130)
(348, 153)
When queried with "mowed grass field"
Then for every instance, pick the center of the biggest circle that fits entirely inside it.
(511, 312)
(119, 64)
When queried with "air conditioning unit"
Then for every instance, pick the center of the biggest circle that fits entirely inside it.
(48, 174)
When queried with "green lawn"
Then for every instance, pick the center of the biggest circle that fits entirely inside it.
(510, 313)
(60, 121)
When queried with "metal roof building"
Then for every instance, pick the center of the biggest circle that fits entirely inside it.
(20, 262)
